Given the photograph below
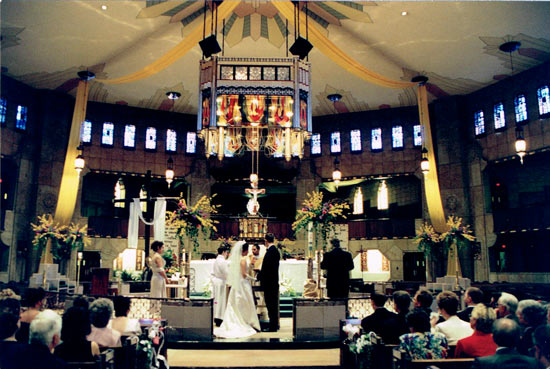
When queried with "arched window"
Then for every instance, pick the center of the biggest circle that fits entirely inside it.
(498, 116)
(382, 196)
(130, 136)
(520, 105)
(358, 201)
(543, 95)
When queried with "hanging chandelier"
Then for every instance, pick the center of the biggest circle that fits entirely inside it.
(254, 104)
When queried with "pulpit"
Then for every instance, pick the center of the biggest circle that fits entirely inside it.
(100, 281)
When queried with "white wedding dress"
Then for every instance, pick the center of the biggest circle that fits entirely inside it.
(240, 318)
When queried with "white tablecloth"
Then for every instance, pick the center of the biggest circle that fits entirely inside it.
(293, 270)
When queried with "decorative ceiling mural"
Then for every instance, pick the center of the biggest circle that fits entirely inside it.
(455, 44)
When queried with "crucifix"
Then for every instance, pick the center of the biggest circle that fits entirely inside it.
(253, 206)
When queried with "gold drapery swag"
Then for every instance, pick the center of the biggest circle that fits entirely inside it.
(68, 190)
(431, 182)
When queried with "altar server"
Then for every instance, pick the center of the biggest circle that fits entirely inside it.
(219, 279)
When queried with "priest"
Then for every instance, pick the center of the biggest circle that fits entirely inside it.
(219, 278)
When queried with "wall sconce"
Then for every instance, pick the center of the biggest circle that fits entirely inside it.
(79, 161)
(120, 193)
(169, 171)
(143, 196)
(425, 163)
(173, 95)
(336, 173)
(520, 144)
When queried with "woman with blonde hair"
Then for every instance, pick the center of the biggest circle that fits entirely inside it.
(481, 342)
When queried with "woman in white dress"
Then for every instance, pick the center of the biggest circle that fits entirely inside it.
(159, 278)
(240, 318)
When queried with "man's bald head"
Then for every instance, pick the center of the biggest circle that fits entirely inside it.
(506, 332)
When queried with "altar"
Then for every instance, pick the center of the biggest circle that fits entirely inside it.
(295, 271)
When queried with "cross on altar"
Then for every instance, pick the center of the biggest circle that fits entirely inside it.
(253, 206)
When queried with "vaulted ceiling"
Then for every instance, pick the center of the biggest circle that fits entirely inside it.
(45, 43)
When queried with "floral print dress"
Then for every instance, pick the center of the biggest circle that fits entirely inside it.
(423, 346)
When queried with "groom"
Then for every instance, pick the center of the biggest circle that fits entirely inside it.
(269, 279)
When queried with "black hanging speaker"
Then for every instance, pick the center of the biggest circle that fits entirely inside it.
(210, 46)
(301, 47)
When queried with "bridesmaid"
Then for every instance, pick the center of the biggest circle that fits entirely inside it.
(159, 278)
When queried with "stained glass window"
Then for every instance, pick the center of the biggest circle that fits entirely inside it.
(130, 136)
(520, 105)
(498, 116)
(355, 139)
(227, 72)
(171, 140)
(358, 201)
(543, 95)
(417, 135)
(335, 147)
(151, 138)
(21, 117)
(316, 144)
(397, 137)
(241, 73)
(479, 122)
(283, 74)
(255, 73)
(382, 198)
(376, 139)
(107, 135)
(86, 132)
(269, 73)
(191, 143)
(3, 110)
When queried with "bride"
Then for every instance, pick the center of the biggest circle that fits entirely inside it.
(240, 318)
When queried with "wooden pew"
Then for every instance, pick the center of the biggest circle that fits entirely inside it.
(402, 361)
(104, 361)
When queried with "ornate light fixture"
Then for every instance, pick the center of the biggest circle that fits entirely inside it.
(253, 104)
(425, 163)
(509, 47)
(169, 174)
(173, 95)
(520, 144)
(143, 197)
(79, 161)
(334, 97)
(336, 173)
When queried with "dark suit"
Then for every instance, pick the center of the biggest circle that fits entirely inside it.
(465, 314)
(505, 358)
(338, 264)
(269, 279)
(384, 323)
(22, 356)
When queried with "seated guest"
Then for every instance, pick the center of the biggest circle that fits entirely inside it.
(75, 346)
(421, 343)
(101, 311)
(382, 322)
(402, 304)
(506, 334)
(122, 323)
(481, 342)
(82, 302)
(541, 338)
(33, 300)
(531, 314)
(423, 300)
(453, 328)
(10, 302)
(9, 347)
(472, 297)
(44, 335)
(507, 305)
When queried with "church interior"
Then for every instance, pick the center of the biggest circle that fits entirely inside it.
(120, 120)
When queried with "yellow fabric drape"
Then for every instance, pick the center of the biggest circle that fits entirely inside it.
(327, 47)
(331, 186)
(224, 10)
(431, 182)
(70, 180)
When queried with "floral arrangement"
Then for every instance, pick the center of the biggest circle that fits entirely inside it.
(427, 239)
(358, 343)
(457, 232)
(169, 258)
(190, 220)
(285, 286)
(63, 239)
(320, 214)
(128, 275)
(207, 289)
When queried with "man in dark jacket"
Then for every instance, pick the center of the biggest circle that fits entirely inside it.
(269, 279)
(338, 264)
(472, 297)
(382, 322)
(506, 334)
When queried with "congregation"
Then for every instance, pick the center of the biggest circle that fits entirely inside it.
(42, 338)
(501, 331)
